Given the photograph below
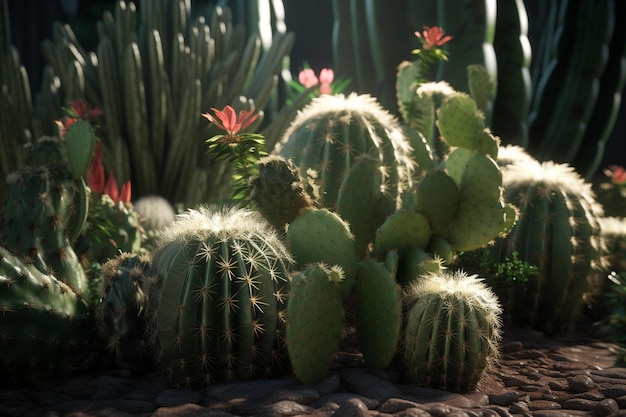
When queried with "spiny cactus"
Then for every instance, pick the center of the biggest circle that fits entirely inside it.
(122, 322)
(558, 232)
(223, 292)
(314, 321)
(378, 313)
(452, 332)
(332, 134)
(45, 212)
(45, 327)
(154, 71)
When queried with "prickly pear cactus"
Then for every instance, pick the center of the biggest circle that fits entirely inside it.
(319, 235)
(378, 313)
(122, 322)
(334, 132)
(45, 328)
(314, 321)
(223, 293)
(452, 332)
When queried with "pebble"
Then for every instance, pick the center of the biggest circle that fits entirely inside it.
(536, 376)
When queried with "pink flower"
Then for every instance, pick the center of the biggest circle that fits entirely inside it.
(95, 175)
(432, 37)
(308, 79)
(115, 193)
(228, 121)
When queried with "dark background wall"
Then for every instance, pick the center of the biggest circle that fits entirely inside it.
(31, 21)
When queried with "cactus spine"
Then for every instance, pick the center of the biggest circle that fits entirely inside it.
(223, 296)
(452, 332)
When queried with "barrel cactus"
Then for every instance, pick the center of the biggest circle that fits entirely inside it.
(122, 322)
(221, 305)
(558, 232)
(453, 331)
(333, 133)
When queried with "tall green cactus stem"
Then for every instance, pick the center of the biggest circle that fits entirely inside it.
(514, 84)
(314, 321)
(122, 322)
(220, 314)
(569, 87)
(45, 212)
(378, 313)
(332, 133)
(319, 235)
(280, 192)
(155, 78)
(558, 231)
(453, 331)
(45, 328)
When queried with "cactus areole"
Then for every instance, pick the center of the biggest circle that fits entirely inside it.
(223, 296)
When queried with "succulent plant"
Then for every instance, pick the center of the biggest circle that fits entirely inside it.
(333, 133)
(453, 331)
(122, 321)
(559, 232)
(155, 212)
(378, 313)
(314, 321)
(219, 313)
(45, 327)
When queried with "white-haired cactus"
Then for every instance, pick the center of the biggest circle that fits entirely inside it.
(314, 321)
(452, 332)
(558, 231)
(220, 312)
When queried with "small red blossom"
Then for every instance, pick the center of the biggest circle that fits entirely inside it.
(617, 173)
(95, 175)
(307, 78)
(117, 195)
(432, 37)
(78, 110)
(228, 121)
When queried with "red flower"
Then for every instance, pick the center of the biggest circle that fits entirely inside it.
(617, 174)
(95, 175)
(432, 37)
(230, 122)
(80, 109)
(115, 193)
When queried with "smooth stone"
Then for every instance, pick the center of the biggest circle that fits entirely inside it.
(606, 407)
(174, 397)
(352, 408)
(186, 410)
(504, 399)
(361, 382)
(580, 383)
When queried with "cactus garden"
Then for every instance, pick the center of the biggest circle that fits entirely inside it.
(424, 222)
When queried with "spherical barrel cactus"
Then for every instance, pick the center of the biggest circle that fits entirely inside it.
(452, 331)
(314, 321)
(155, 212)
(557, 231)
(334, 132)
(222, 297)
(45, 212)
(122, 322)
(45, 328)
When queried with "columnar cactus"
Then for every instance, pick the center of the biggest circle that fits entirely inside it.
(45, 327)
(220, 312)
(452, 332)
(314, 321)
(122, 322)
(558, 231)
